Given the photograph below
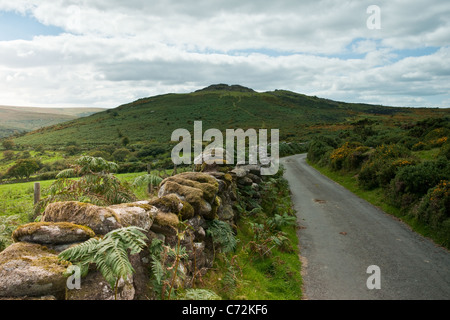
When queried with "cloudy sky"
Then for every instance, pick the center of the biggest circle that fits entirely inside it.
(103, 53)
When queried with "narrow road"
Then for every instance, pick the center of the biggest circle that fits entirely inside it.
(343, 235)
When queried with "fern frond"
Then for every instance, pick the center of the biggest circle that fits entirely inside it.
(83, 252)
(199, 294)
(222, 234)
(147, 179)
(157, 269)
(110, 254)
(67, 173)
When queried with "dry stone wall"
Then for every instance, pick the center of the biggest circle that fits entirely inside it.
(30, 268)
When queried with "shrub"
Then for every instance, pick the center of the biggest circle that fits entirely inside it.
(419, 146)
(24, 168)
(349, 156)
(438, 142)
(121, 154)
(382, 165)
(367, 177)
(8, 144)
(109, 254)
(8, 155)
(434, 210)
(72, 150)
(434, 207)
(445, 151)
(100, 154)
(419, 178)
(317, 149)
(388, 171)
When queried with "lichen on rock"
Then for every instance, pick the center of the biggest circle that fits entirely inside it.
(52, 233)
(28, 269)
(100, 219)
(172, 203)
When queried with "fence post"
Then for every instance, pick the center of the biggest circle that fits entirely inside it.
(37, 192)
(150, 186)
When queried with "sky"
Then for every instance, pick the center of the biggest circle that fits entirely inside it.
(104, 53)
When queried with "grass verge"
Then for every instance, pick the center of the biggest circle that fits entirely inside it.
(265, 264)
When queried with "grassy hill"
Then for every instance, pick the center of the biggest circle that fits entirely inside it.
(219, 106)
(21, 119)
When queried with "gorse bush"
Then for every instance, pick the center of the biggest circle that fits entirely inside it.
(421, 177)
(444, 151)
(382, 165)
(317, 149)
(434, 208)
(349, 156)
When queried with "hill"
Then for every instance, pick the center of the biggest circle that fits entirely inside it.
(21, 119)
(153, 119)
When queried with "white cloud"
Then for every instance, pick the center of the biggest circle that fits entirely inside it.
(117, 51)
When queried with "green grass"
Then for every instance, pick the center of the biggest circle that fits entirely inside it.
(427, 154)
(274, 277)
(17, 198)
(45, 158)
(377, 198)
(247, 275)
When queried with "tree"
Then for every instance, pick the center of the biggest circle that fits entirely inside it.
(125, 141)
(8, 144)
(72, 150)
(23, 168)
(121, 154)
(8, 155)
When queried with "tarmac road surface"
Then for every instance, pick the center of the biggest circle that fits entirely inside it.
(342, 235)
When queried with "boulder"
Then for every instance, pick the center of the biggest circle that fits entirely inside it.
(29, 269)
(135, 214)
(29, 298)
(239, 172)
(100, 219)
(194, 196)
(95, 287)
(52, 233)
(205, 182)
(211, 160)
(251, 168)
(197, 223)
(172, 203)
(245, 181)
(226, 213)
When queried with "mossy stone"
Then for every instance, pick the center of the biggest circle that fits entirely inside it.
(52, 233)
(29, 269)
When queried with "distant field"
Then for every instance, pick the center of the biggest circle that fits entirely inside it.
(21, 119)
